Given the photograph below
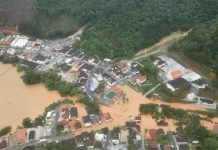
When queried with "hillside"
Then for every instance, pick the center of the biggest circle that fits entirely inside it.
(201, 46)
(117, 28)
(13, 12)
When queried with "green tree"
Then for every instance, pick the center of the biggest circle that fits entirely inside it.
(31, 77)
(27, 123)
(210, 144)
(38, 121)
(4, 131)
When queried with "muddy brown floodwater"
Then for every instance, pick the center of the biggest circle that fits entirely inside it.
(18, 100)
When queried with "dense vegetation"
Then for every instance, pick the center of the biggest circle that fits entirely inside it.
(201, 44)
(117, 28)
(148, 108)
(51, 80)
(56, 146)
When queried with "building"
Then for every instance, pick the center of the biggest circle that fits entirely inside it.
(107, 117)
(31, 134)
(200, 84)
(100, 137)
(50, 116)
(3, 144)
(174, 85)
(87, 122)
(21, 135)
(141, 79)
(19, 42)
(172, 70)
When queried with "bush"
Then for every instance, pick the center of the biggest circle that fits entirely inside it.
(4, 131)
(27, 123)
(148, 108)
(30, 77)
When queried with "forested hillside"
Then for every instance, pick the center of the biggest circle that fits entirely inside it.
(13, 12)
(117, 28)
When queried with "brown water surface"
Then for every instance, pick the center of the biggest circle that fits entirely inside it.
(18, 100)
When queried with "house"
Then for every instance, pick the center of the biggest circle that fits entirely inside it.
(29, 64)
(40, 59)
(78, 125)
(65, 67)
(124, 136)
(50, 116)
(21, 135)
(181, 141)
(115, 136)
(184, 147)
(31, 134)
(105, 130)
(98, 145)
(170, 68)
(152, 96)
(159, 62)
(89, 139)
(132, 124)
(3, 144)
(79, 140)
(152, 145)
(94, 84)
(98, 92)
(176, 84)
(208, 102)
(215, 129)
(111, 81)
(124, 67)
(162, 123)
(152, 134)
(94, 119)
(106, 76)
(200, 84)
(138, 119)
(160, 132)
(100, 137)
(141, 79)
(73, 112)
(107, 117)
(87, 121)
(71, 141)
(42, 132)
(71, 125)
(191, 76)
(19, 42)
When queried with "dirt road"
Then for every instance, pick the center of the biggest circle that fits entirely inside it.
(162, 45)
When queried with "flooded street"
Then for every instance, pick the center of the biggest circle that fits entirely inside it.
(18, 100)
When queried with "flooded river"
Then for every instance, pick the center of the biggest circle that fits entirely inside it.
(18, 100)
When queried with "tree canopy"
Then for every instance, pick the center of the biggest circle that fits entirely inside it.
(117, 28)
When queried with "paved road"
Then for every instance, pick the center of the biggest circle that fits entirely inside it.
(49, 139)
(154, 88)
